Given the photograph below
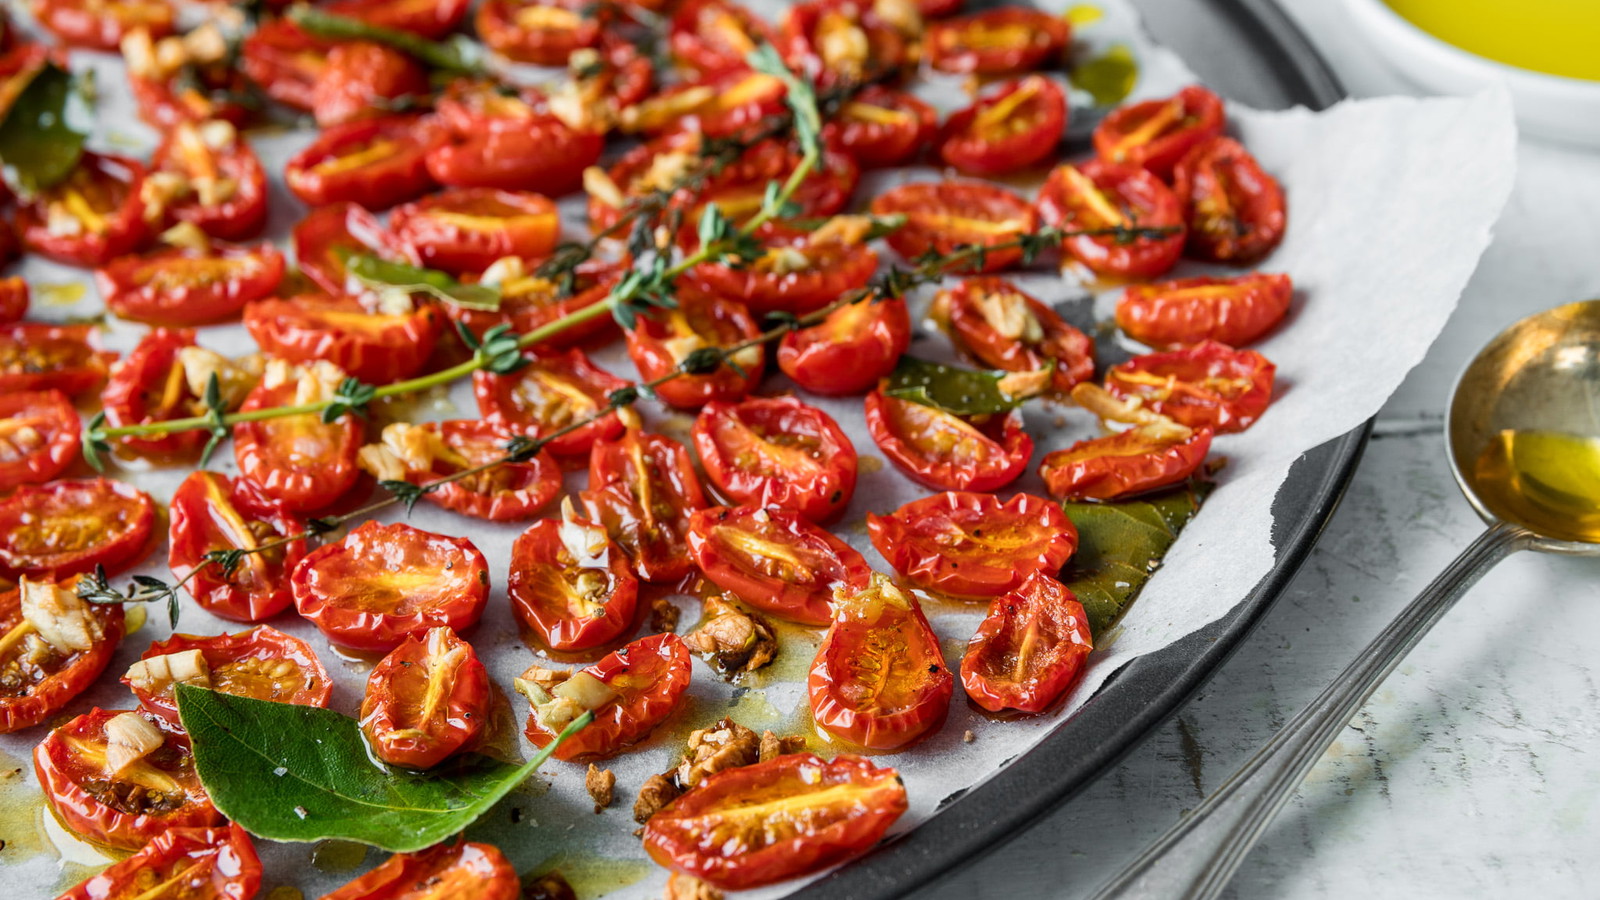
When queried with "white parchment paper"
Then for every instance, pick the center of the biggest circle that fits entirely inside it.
(1391, 202)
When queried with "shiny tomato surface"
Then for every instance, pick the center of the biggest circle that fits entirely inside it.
(39, 357)
(102, 24)
(799, 273)
(208, 176)
(285, 61)
(642, 488)
(508, 492)
(39, 437)
(262, 664)
(1099, 195)
(431, 19)
(540, 154)
(212, 512)
(15, 297)
(552, 392)
(974, 545)
(1003, 328)
(1029, 649)
(150, 386)
(841, 40)
(739, 189)
(571, 586)
(647, 679)
(374, 346)
(775, 560)
(1124, 464)
(1232, 311)
(545, 34)
(947, 452)
(1156, 134)
(714, 36)
(444, 872)
(944, 216)
(851, 350)
(39, 678)
(426, 700)
(360, 79)
(69, 527)
(328, 234)
(299, 461)
(777, 453)
(102, 199)
(1003, 41)
(374, 163)
(1234, 210)
(1208, 385)
(180, 287)
(663, 340)
(882, 127)
(1006, 129)
(203, 863)
(466, 229)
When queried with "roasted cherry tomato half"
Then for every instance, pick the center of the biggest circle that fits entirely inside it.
(776, 452)
(212, 512)
(947, 215)
(431, 19)
(380, 584)
(328, 234)
(198, 92)
(1003, 328)
(508, 492)
(467, 229)
(570, 585)
(1124, 464)
(849, 351)
(718, 106)
(947, 452)
(299, 461)
(630, 691)
(41, 674)
(1155, 134)
(94, 216)
(142, 799)
(1010, 128)
(179, 287)
(1208, 385)
(710, 37)
(662, 342)
(974, 545)
(1234, 210)
(753, 825)
(528, 303)
(840, 40)
(201, 863)
(1232, 311)
(545, 34)
(539, 154)
(642, 488)
(443, 872)
(38, 357)
(375, 163)
(360, 79)
(656, 164)
(39, 437)
(376, 347)
(549, 393)
(14, 293)
(1004, 41)
(206, 174)
(262, 664)
(800, 272)
(883, 127)
(286, 62)
(775, 560)
(69, 527)
(1029, 649)
(739, 189)
(1099, 195)
(150, 385)
(102, 24)
(426, 700)
(879, 680)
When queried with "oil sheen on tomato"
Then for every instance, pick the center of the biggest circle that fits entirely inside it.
(1549, 480)
(1557, 37)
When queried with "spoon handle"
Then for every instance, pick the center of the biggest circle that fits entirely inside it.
(1198, 856)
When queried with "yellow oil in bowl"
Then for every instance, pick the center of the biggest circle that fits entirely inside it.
(1556, 37)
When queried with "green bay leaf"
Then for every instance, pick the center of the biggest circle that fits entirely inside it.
(42, 134)
(379, 274)
(1120, 545)
(958, 391)
(303, 773)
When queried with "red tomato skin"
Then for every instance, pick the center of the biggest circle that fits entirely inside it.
(797, 40)
(1003, 459)
(974, 150)
(550, 45)
(738, 188)
(836, 268)
(612, 476)
(165, 104)
(297, 329)
(938, 9)
(1248, 377)
(1041, 609)
(101, 823)
(672, 840)
(1234, 210)
(925, 205)
(1071, 350)
(533, 483)
(721, 323)
(663, 661)
(1200, 119)
(57, 441)
(46, 697)
(285, 61)
(499, 400)
(243, 215)
(233, 870)
(262, 643)
(320, 597)
(428, 228)
(541, 155)
(359, 77)
(918, 540)
(851, 350)
(327, 230)
(1122, 465)
(1044, 37)
(455, 870)
(396, 177)
(535, 554)
(878, 145)
(28, 542)
(14, 293)
(39, 357)
(92, 26)
(1169, 314)
(1153, 205)
(198, 505)
(126, 230)
(143, 288)
(390, 729)
(723, 435)
(529, 312)
(629, 170)
(696, 26)
(809, 603)
(431, 19)
(146, 370)
(299, 485)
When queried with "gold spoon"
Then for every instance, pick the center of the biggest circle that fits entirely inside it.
(1524, 444)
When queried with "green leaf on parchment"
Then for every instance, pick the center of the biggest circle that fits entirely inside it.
(378, 274)
(302, 773)
(42, 134)
(1120, 545)
(958, 391)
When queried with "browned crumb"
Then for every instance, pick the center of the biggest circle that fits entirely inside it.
(550, 886)
(688, 887)
(601, 785)
(773, 746)
(658, 791)
(545, 678)
(969, 736)
(725, 745)
(663, 615)
(733, 639)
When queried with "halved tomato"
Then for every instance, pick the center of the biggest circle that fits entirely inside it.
(206, 863)
(849, 351)
(741, 187)
(328, 234)
(212, 512)
(879, 680)
(1030, 648)
(947, 452)
(642, 487)
(710, 37)
(101, 24)
(38, 678)
(1013, 127)
(1003, 328)
(285, 61)
(1233, 209)
(426, 700)
(973, 545)
(206, 174)
(552, 392)
(545, 34)
(659, 164)
(442, 872)
(1124, 464)
(299, 461)
(719, 105)
(947, 215)
(833, 41)
(39, 437)
(529, 303)
(381, 584)
(775, 560)
(1232, 311)
(94, 216)
(881, 127)
(361, 79)
(376, 347)
(375, 163)
(465, 230)
(69, 527)
(150, 386)
(1156, 134)
(630, 691)
(1099, 195)
(196, 92)
(179, 287)
(776, 452)
(801, 271)
(431, 19)
(663, 340)
(540, 154)
(39, 357)
(126, 808)
(262, 663)
(753, 825)
(1208, 385)
(1002, 41)
(508, 492)
(570, 584)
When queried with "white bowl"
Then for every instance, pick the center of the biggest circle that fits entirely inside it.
(1548, 106)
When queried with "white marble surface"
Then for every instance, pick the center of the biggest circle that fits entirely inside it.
(1473, 772)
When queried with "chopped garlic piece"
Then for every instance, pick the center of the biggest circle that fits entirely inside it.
(509, 268)
(586, 541)
(157, 673)
(218, 134)
(140, 53)
(187, 236)
(61, 617)
(205, 44)
(236, 377)
(1108, 406)
(1009, 314)
(381, 463)
(667, 170)
(681, 346)
(130, 737)
(1025, 384)
(841, 43)
(60, 222)
(901, 15)
(395, 301)
(598, 184)
(784, 261)
(843, 230)
(317, 382)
